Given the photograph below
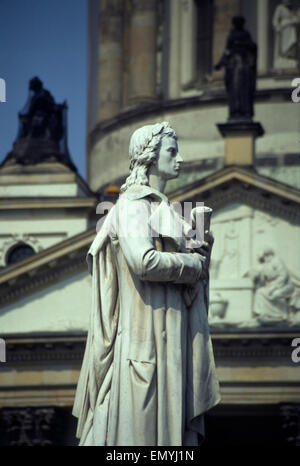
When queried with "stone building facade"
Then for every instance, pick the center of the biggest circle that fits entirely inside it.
(149, 61)
(154, 60)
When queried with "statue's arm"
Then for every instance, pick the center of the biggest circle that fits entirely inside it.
(276, 20)
(142, 257)
(223, 60)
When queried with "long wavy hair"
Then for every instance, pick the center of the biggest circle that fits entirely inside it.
(143, 152)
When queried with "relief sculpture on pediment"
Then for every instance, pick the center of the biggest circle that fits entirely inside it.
(276, 293)
(254, 278)
(273, 289)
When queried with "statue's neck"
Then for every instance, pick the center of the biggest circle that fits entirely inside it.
(157, 182)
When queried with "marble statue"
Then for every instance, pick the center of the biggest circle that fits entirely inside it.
(239, 61)
(148, 373)
(286, 24)
(274, 289)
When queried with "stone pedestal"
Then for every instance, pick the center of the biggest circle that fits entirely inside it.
(29, 151)
(240, 141)
(142, 66)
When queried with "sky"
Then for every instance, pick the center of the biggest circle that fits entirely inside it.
(48, 39)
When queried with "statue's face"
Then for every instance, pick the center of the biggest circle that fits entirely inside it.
(169, 160)
(266, 257)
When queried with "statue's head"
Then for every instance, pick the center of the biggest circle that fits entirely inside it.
(144, 149)
(238, 22)
(35, 84)
(266, 254)
(287, 3)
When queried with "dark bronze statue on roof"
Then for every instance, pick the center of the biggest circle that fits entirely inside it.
(42, 134)
(41, 117)
(239, 61)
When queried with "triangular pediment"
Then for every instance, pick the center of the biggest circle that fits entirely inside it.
(236, 184)
(252, 214)
(45, 268)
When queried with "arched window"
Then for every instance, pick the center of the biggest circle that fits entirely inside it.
(18, 253)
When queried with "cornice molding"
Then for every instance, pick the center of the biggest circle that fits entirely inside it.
(48, 203)
(43, 173)
(254, 347)
(212, 97)
(45, 350)
(35, 349)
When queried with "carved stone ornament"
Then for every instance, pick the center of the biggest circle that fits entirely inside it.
(217, 310)
(290, 414)
(276, 295)
(27, 426)
(286, 29)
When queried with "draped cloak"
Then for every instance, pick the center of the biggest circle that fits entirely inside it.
(148, 373)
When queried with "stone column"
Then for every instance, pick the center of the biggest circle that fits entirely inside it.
(188, 43)
(174, 50)
(262, 35)
(142, 66)
(224, 10)
(110, 58)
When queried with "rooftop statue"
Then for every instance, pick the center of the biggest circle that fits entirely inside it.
(41, 116)
(239, 61)
(148, 374)
(42, 133)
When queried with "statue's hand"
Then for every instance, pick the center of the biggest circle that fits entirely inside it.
(206, 247)
(253, 274)
(205, 251)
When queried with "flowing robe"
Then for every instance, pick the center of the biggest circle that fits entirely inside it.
(148, 374)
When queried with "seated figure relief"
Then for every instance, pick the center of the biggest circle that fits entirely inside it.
(276, 296)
